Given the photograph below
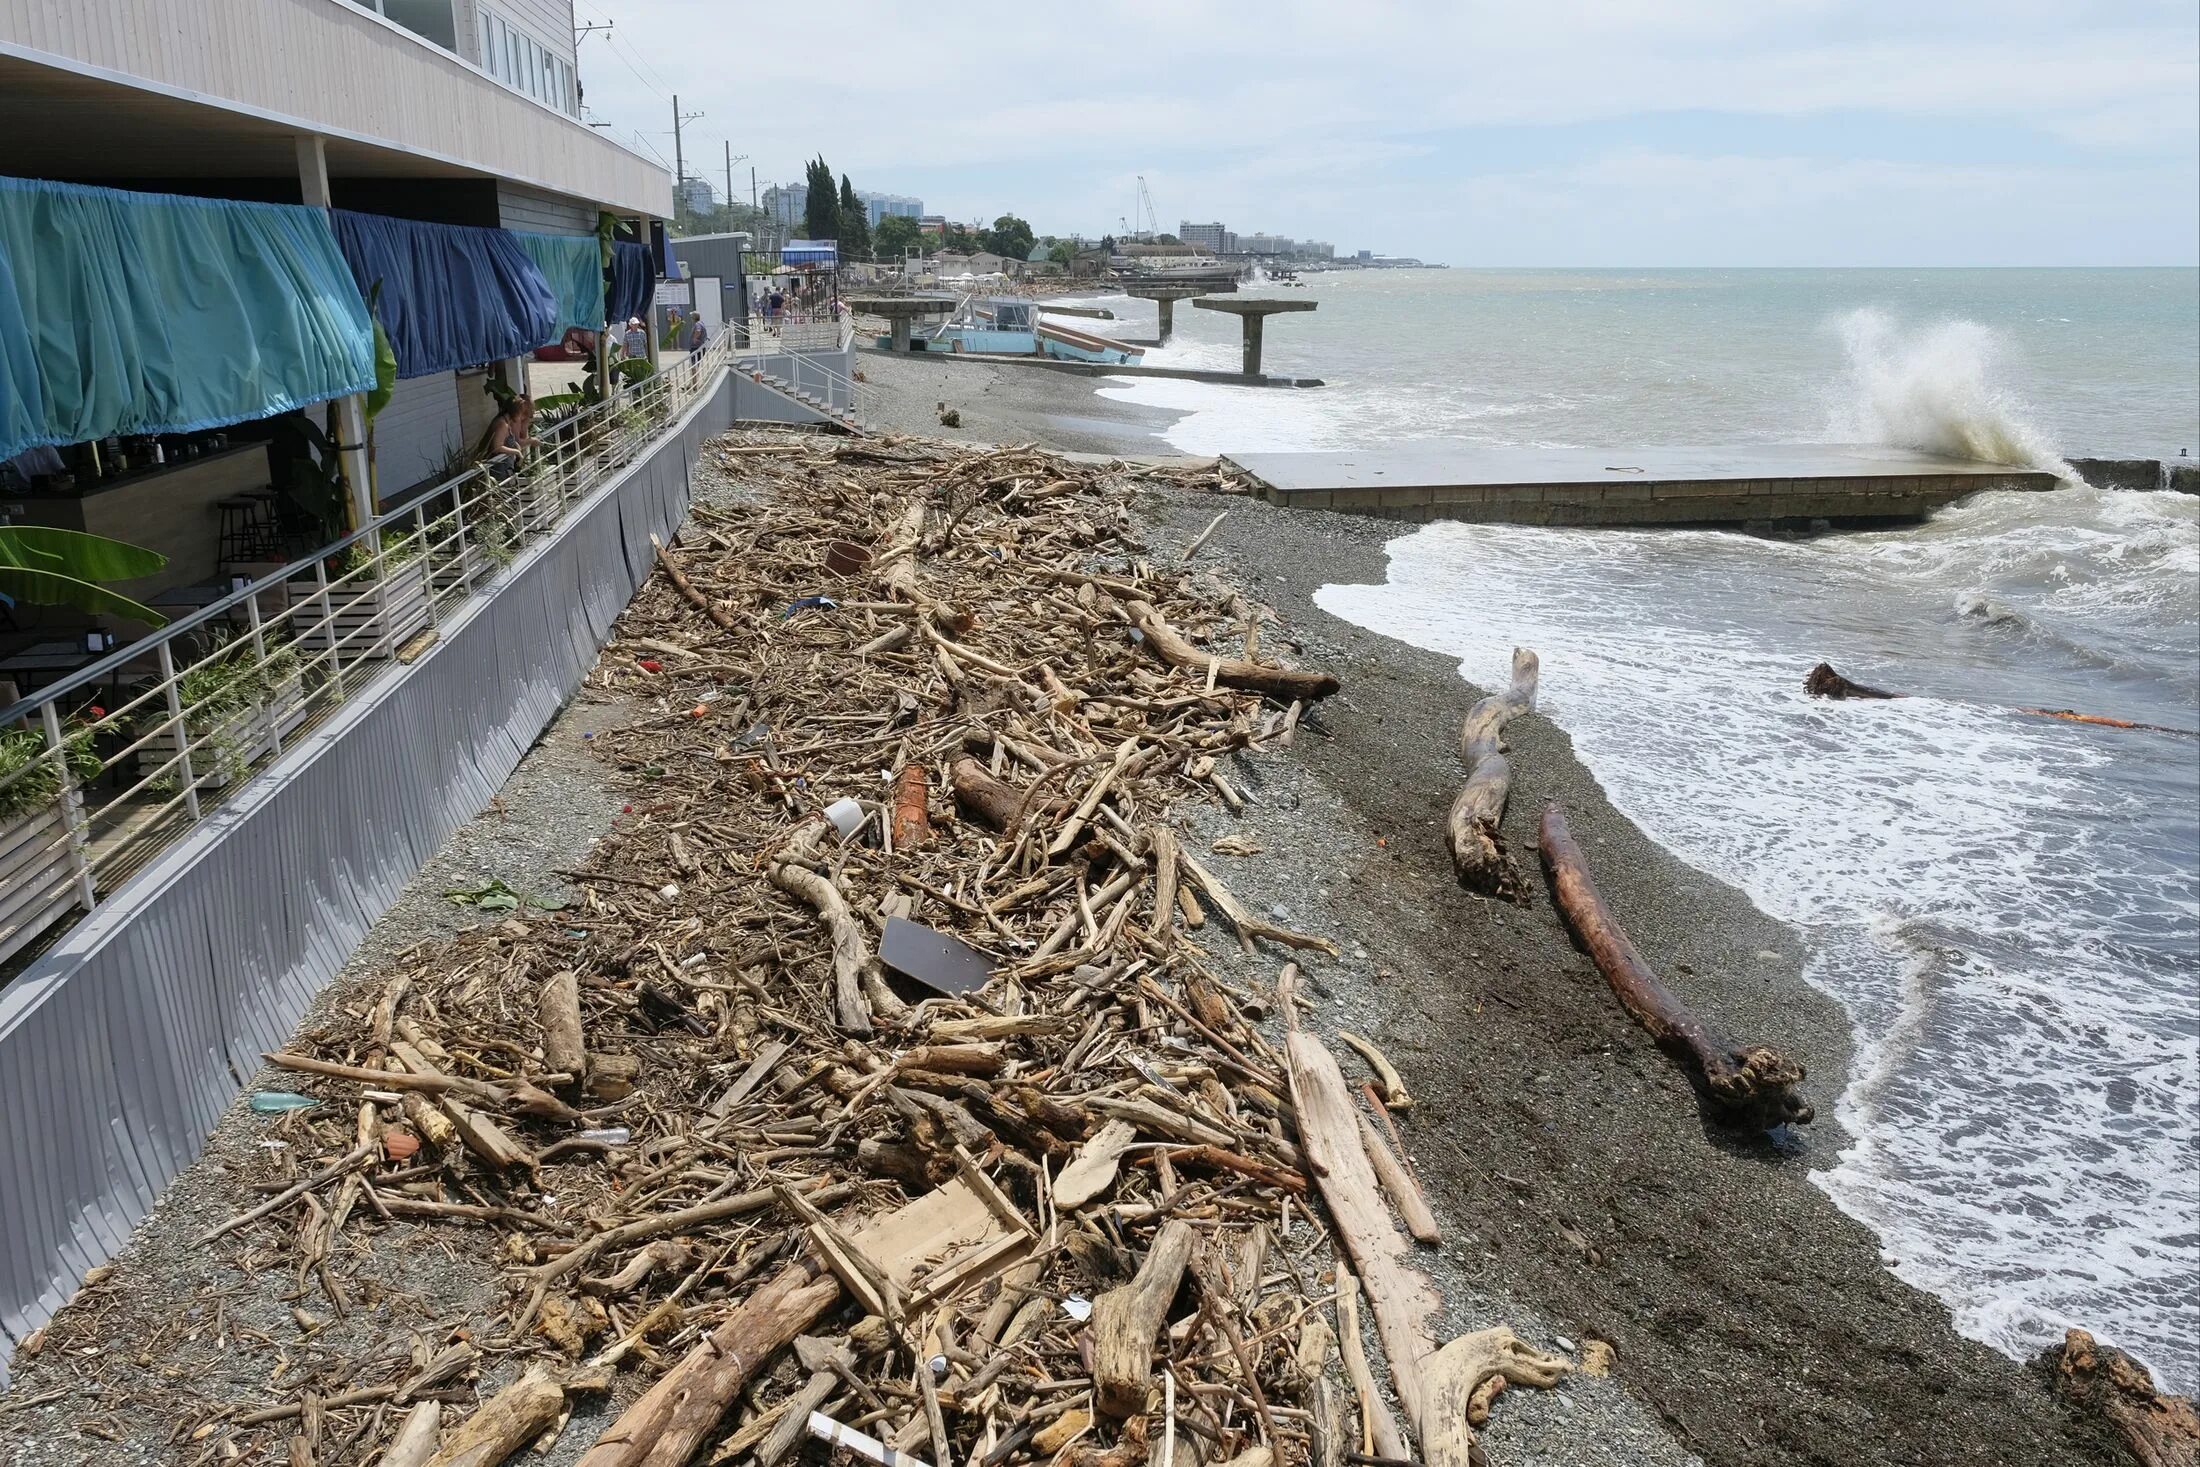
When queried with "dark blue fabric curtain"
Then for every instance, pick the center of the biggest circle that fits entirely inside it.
(453, 295)
(633, 282)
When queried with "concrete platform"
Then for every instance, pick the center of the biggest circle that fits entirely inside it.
(1435, 479)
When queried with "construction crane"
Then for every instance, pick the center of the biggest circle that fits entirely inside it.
(1145, 211)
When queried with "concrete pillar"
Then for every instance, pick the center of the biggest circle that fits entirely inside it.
(351, 412)
(1252, 344)
(901, 333)
(1167, 307)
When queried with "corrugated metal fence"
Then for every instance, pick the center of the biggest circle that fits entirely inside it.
(121, 1047)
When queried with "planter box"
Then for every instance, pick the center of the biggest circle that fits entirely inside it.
(37, 878)
(372, 619)
(251, 735)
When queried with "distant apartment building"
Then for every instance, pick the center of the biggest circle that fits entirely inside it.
(696, 195)
(1266, 244)
(932, 224)
(786, 203)
(1210, 237)
(878, 206)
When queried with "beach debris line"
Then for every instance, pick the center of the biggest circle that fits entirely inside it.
(1823, 682)
(2161, 1430)
(1753, 1084)
(727, 1156)
(1472, 829)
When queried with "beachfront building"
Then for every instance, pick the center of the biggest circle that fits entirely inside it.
(298, 102)
(209, 210)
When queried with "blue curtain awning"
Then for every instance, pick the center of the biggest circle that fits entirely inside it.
(633, 281)
(573, 264)
(809, 252)
(452, 295)
(154, 313)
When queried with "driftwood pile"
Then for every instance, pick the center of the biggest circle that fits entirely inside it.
(740, 1126)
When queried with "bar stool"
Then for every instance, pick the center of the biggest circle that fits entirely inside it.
(267, 535)
(239, 530)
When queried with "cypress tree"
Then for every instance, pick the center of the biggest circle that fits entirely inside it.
(855, 224)
(821, 212)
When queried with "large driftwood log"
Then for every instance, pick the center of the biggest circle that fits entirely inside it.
(1754, 1084)
(665, 1426)
(1428, 1380)
(1399, 1293)
(1176, 649)
(2162, 1431)
(1477, 855)
(416, 1439)
(1823, 682)
(1125, 1320)
(506, 1422)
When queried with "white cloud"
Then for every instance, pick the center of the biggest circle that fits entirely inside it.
(1316, 120)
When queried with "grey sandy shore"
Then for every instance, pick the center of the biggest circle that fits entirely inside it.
(1003, 403)
(1582, 1191)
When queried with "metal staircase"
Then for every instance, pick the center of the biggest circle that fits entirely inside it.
(808, 383)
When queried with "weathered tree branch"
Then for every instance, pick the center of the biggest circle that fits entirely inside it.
(1754, 1084)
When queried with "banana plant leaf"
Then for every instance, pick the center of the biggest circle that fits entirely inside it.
(44, 566)
(385, 360)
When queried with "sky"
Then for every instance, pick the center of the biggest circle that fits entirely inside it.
(1591, 133)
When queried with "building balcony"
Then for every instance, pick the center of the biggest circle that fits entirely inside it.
(133, 92)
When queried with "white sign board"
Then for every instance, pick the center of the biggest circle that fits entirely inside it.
(673, 293)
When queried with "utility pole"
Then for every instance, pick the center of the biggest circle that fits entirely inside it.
(729, 181)
(679, 160)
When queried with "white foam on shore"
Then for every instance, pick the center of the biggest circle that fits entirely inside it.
(2004, 905)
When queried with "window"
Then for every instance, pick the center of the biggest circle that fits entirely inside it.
(488, 51)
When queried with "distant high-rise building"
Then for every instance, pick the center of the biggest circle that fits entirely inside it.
(878, 205)
(1209, 237)
(787, 204)
(697, 196)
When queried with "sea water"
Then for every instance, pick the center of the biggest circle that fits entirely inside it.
(2005, 904)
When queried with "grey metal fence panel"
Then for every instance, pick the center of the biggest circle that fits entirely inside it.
(122, 1046)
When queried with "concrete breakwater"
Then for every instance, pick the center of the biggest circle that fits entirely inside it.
(1663, 486)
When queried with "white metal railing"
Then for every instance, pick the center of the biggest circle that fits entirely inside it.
(107, 767)
(801, 370)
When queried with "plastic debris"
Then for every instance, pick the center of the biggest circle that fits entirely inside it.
(846, 815)
(941, 963)
(275, 1102)
(811, 603)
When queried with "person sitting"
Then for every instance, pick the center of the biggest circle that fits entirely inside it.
(511, 436)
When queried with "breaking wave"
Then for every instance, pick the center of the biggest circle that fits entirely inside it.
(1933, 388)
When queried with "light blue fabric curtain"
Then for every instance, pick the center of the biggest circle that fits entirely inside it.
(155, 313)
(573, 264)
(452, 295)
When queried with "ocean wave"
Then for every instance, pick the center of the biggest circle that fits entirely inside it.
(2004, 905)
(1933, 388)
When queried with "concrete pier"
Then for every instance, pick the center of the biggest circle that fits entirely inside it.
(1764, 483)
(1252, 312)
(903, 310)
(1164, 298)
